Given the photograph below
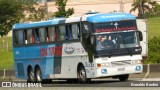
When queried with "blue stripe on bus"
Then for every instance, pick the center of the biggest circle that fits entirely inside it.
(110, 17)
(38, 24)
(32, 57)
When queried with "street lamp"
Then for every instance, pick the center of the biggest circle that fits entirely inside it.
(121, 6)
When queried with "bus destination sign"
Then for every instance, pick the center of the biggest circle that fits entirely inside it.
(115, 26)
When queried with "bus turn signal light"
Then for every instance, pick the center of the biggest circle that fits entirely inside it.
(98, 65)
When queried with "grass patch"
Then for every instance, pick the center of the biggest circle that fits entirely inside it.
(8, 78)
(153, 25)
(6, 55)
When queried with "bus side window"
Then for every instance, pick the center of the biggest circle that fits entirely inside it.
(42, 34)
(18, 39)
(25, 37)
(75, 31)
(15, 38)
(47, 35)
(36, 36)
(61, 33)
(68, 32)
(33, 36)
(52, 33)
(30, 36)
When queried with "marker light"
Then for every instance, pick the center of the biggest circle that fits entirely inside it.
(136, 62)
(138, 68)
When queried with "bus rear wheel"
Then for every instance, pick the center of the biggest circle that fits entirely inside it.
(38, 75)
(81, 75)
(30, 75)
(123, 77)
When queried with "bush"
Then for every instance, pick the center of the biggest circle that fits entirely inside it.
(153, 50)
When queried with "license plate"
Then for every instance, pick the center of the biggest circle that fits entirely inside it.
(121, 69)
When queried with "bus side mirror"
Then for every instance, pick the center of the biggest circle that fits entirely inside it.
(140, 35)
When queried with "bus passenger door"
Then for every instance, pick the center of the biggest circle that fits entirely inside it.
(57, 59)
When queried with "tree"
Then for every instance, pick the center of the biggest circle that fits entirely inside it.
(15, 11)
(37, 14)
(10, 13)
(154, 50)
(154, 9)
(62, 12)
(141, 5)
(145, 7)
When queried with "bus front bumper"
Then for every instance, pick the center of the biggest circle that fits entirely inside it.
(118, 70)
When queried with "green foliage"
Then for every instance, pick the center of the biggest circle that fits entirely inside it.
(37, 15)
(6, 55)
(153, 40)
(145, 8)
(14, 11)
(154, 50)
(62, 12)
(141, 6)
(10, 13)
(153, 27)
(154, 12)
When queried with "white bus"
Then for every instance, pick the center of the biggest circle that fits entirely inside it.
(78, 48)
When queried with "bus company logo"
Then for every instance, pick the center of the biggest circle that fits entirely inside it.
(69, 48)
(116, 25)
(50, 51)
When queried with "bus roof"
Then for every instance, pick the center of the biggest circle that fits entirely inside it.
(93, 18)
(110, 17)
(39, 23)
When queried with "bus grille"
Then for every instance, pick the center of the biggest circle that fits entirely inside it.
(117, 63)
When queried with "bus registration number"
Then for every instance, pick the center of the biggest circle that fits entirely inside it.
(121, 69)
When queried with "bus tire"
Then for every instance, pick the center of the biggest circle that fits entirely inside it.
(38, 75)
(81, 74)
(123, 77)
(30, 75)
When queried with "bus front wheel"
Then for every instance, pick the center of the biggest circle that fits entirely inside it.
(123, 77)
(81, 75)
(38, 75)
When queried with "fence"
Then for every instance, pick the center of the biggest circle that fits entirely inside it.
(5, 44)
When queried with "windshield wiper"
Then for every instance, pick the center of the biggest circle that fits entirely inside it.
(110, 52)
(127, 48)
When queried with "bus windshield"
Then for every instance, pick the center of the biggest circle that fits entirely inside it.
(117, 40)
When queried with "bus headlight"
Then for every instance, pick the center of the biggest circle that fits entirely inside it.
(136, 61)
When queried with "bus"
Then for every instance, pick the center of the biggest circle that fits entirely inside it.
(78, 48)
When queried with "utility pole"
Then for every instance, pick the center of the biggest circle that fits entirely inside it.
(121, 6)
(46, 5)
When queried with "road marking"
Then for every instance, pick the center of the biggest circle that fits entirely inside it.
(150, 79)
(148, 70)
